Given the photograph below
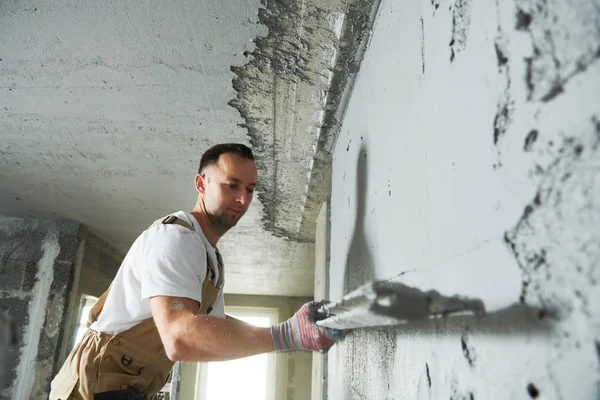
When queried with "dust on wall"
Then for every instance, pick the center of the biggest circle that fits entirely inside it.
(468, 162)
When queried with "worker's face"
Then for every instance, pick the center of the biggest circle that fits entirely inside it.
(227, 189)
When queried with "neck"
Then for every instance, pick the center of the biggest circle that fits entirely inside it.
(208, 227)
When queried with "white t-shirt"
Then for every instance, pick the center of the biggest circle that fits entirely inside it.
(165, 260)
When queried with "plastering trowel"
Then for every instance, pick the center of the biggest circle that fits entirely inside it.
(383, 303)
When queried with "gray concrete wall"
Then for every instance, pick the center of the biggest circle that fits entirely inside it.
(45, 267)
(468, 162)
(38, 262)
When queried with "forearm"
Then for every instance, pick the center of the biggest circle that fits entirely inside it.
(208, 338)
(190, 336)
(235, 320)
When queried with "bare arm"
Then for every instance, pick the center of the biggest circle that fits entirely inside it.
(188, 336)
(237, 321)
(233, 319)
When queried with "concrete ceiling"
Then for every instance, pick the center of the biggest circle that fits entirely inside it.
(106, 107)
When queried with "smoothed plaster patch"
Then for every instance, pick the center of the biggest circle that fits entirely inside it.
(545, 195)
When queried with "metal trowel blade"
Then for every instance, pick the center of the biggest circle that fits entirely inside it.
(383, 303)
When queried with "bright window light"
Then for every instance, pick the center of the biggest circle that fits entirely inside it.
(245, 378)
(85, 306)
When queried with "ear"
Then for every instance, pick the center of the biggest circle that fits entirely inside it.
(200, 183)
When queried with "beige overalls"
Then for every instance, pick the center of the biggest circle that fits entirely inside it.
(133, 358)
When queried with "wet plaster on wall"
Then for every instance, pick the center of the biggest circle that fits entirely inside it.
(289, 94)
(562, 43)
(541, 153)
(565, 44)
(439, 358)
(555, 239)
(566, 41)
(560, 260)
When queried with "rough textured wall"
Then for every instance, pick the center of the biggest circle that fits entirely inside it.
(37, 263)
(290, 93)
(469, 162)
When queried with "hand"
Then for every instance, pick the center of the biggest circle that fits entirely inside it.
(302, 333)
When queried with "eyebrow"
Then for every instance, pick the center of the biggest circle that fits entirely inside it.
(240, 181)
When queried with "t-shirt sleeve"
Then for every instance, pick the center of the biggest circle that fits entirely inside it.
(173, 264)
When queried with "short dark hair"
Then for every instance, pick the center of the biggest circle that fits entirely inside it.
(211, 156)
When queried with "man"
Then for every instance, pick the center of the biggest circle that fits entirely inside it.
(166, 301)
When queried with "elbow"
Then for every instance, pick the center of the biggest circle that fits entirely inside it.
(174, 355)
(179, 346)
(174, 347)
(173, 351)
(177, 351)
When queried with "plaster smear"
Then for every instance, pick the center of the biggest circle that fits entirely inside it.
(37, 311)
(476, 176)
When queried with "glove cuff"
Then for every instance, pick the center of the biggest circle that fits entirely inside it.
(281, 336)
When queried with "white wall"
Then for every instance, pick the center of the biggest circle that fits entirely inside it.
(468, 158)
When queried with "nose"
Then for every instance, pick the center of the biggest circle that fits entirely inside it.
(243, 198)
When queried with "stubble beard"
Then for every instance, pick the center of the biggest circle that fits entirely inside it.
(221, 222)
(219, 219)
(224, 223)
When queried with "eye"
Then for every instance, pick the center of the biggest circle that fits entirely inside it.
(232, 186)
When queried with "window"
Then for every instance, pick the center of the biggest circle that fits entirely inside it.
(85, 306)
(250, 378)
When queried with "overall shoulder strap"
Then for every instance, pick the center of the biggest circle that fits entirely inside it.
(171, 219)
(97, 307)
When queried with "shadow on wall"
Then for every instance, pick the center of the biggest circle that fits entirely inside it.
(366, 357)
(517, 319)
(359, 262)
